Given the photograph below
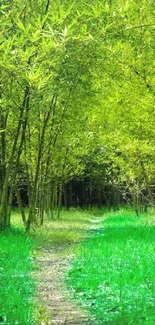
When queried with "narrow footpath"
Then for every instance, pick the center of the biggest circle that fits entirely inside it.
(61, 307)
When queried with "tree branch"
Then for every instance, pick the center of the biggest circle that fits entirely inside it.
(140, 26)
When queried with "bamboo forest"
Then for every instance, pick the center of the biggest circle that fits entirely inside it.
(77, 162)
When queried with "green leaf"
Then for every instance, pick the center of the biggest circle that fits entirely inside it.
(20, 24)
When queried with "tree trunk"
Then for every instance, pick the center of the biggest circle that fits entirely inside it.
(3, 208)
(20, 205)
(59, 200)
(40, 151)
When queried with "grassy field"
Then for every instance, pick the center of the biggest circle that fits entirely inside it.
(114, 273)
(16, 283)
(71, 229)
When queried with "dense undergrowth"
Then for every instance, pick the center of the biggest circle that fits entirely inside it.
(16, 283)
(114, 273)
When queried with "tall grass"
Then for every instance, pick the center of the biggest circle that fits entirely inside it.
(114, 273)
(16, 284)
(69, 230)
(16, 281)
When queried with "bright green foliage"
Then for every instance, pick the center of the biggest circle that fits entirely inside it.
(76, 75)
(16, 284)
(114, 274)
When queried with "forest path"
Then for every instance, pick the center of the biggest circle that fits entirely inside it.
(52, 292)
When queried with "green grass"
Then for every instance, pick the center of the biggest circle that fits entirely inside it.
(114, 273)
(17, 306)
(69, 230)
(16, 283)
(16, 296)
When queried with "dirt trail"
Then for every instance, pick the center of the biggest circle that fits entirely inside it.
(52, 292)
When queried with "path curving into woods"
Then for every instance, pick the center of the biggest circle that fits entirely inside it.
(58, 301)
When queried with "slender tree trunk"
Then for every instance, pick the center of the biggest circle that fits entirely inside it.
(3, 210)
(9, 208)
(20, 205)
(148, 187)
(59, 199)
(3, 122)
(40, 151)
(65, 196)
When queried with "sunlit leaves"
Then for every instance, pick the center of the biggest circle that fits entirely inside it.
(96, 59)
